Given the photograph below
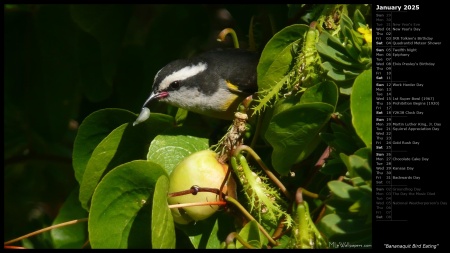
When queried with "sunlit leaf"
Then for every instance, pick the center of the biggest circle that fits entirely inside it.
(125, 143)
(294, 133)
(169, 148)
(361, 106)
(251, 234)
(91, 132)
(277, 56)
(340, 189)
(326, 92)
(345, 233)
(121, 210)
(163, 228)
(209, 233)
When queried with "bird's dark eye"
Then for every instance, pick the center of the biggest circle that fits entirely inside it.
(174, 85)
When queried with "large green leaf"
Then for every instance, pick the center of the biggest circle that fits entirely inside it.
(251, 234)
(326, 92)
(336, 73)
(123, 144)
(163, 227)
(276, 57)
(209, 233)
(91, 132)
(341, 189)
(357, 166)
(361, 106)
(169, 148)
(122, 207)
(333, 166)
(349, 232)
(294, 133)
(340, 142)
(73, 236)
(358, 19)
(365, 171)
(331, 48)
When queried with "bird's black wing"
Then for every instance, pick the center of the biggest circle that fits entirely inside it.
(237, 67)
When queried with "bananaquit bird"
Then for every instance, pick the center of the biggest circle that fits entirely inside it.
(213, 83)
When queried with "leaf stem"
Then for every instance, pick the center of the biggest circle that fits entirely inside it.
(234, 235)
(251, 36)
(219, 203)
(225, 32)
(46, 229)
(194, 190)
(257, 131)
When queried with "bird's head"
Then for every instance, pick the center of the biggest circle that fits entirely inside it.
(212, 84)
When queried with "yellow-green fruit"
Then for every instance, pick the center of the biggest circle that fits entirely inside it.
(204, 170)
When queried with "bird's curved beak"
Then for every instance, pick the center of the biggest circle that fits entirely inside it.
(145, 112)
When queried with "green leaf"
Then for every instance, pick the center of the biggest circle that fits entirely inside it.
(358, 182)
(251, 234)
(123, 144)
(169, 148)
(361, 106)
(181, 116)
(348, 32)
(361, 167)
(358, 19)
(365, 153)
(75, 235)
(362, 206)
(333, 167)
(280, 105)
(91, 132)
(331, 48)
(347, 231)
(163, 228)
(294, 133)
(345, 159)
(340, 142)
(326, 92)
(121, 211)
(276, 57)
(209, 233)
(338, 74)
(340, 189)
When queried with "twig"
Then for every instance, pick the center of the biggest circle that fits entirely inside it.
(46, 229)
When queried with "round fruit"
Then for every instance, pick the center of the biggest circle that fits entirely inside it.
(201, 169)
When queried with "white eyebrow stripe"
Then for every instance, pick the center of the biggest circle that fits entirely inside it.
(156, 76)
(183, 74)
